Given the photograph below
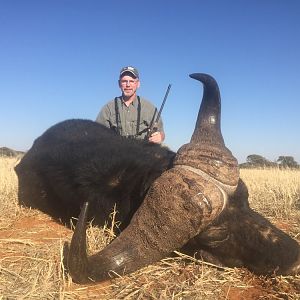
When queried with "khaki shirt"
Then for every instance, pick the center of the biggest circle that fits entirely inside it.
(128, 117)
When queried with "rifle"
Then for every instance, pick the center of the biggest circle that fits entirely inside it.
(153, 125)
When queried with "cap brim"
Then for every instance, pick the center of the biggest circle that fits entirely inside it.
(127, 71)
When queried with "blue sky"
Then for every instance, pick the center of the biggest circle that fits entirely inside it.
(60, 59)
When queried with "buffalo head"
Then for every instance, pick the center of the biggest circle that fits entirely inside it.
(179, 205)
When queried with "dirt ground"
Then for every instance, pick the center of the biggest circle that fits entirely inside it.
(41, 230)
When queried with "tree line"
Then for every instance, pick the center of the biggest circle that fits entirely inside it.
(258, 161)
(252, 161)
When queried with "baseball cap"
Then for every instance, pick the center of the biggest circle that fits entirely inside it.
(131, 70)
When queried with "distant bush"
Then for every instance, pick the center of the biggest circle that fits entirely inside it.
(4, 151)
(258, 161)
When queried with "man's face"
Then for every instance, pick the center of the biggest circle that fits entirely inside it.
(128, 84)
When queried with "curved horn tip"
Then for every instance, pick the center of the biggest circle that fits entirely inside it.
(76, 261)
(85, 206)
(195, 75)
(201, 76)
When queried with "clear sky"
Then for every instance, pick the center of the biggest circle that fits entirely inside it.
(60, 59)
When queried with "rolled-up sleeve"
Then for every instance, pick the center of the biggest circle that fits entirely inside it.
(104, 116)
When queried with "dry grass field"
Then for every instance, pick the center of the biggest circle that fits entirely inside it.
(31, 252)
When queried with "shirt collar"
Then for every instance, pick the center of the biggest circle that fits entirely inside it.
(134, 102)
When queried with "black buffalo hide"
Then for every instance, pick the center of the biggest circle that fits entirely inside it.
(80, 160)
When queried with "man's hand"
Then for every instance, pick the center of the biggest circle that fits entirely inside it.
(157, 137)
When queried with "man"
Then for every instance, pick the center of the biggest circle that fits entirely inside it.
(130, 115)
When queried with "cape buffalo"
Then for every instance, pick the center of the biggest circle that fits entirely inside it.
(193, 201)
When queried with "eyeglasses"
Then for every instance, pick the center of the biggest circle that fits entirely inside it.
(128, 82)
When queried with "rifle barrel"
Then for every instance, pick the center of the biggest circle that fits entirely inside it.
(163, 103)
